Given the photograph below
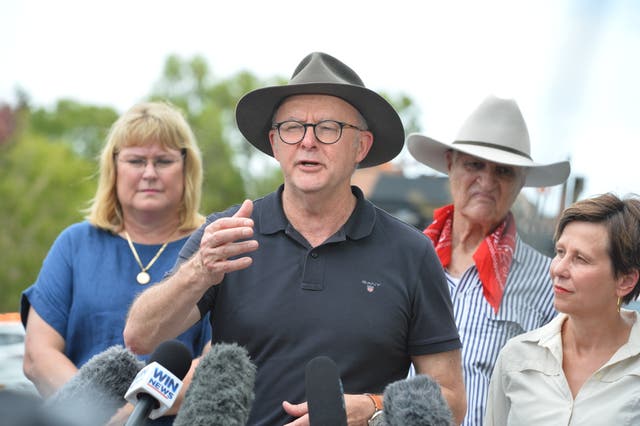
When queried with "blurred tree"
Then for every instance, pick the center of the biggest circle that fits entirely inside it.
(231, 170)
(47, 167)
(83, 127)
(407, 109)
(43, 187)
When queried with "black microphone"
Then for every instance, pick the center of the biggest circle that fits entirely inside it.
(94, 393)
(325, 396)
(156, 387)
(416, 401)
(221, 392)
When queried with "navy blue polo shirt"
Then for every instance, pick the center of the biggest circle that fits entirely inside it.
(369, 297)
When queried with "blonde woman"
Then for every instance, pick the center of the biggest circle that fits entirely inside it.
(145, 207)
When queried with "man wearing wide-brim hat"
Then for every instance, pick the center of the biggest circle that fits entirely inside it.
(314, 268)
(500, 286)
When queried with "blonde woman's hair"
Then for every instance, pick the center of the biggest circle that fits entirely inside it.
(146, 123)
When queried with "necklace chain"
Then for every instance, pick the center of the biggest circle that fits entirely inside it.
(135, 253)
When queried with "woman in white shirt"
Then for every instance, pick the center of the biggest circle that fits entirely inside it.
(583, 368)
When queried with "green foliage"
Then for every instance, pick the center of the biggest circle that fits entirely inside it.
(83, 127)
(230, 174)
(46, 173)
(407, 109)
(43, 186)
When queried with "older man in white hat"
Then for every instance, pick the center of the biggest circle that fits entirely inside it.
(500, 286)
(314, 268)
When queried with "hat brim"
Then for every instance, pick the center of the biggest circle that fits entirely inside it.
(432, 153)
(255, 110)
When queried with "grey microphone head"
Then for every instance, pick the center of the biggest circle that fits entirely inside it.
(20, 408)
(416, 401)
(221, 391)
(96, 391)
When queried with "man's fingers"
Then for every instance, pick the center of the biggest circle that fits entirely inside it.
(228, 250)
(225, 239)
(241, 218)
(221, 236)
(245, 209)
(299, 411)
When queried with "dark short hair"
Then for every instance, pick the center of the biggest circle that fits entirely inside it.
(621, 217)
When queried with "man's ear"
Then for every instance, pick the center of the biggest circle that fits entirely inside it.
(272, 140)
(365, 144)
(449, 157)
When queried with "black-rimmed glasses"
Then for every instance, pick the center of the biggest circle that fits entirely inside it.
(327, 132)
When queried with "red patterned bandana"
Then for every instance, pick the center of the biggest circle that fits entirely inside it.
(492, 258)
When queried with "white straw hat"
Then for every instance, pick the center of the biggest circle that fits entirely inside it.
(496, 132)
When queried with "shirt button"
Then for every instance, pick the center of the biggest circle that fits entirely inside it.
(314, 254)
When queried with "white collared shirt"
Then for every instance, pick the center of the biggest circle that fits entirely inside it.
(528, 386)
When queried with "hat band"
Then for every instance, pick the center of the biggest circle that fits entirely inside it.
(494, 146)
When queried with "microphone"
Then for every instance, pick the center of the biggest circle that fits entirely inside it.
(22, 408)
(416, 401)
(156, 387)
(94, 393)
(221, 392)
(325, 396)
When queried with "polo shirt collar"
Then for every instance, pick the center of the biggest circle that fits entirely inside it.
(359, 225)
(271, 216)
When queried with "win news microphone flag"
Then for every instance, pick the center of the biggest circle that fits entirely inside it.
(155, 389)
(94, 393)
(221, 391)
(325, 396)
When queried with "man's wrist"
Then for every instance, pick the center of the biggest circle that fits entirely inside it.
(377, 407)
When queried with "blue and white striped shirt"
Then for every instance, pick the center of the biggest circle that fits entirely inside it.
(527, 303)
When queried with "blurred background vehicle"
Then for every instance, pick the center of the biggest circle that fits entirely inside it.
(12, 353)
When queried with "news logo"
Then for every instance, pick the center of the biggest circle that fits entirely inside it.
(158, 382)
(165, 383)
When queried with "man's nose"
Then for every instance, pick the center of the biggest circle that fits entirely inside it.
(309, 138)
(487, 176)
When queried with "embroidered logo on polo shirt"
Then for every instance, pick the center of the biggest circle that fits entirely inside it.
(371, 286)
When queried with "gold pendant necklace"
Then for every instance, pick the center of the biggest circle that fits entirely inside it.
(143, 277)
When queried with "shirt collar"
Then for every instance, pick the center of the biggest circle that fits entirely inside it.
(519, 254)
(271, 217)
(550, 337)
(359, 225)
(631, 348)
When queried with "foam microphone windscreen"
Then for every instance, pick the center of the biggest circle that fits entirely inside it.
(325, 396)
(96, 391)
(24, 408)
(221, 391)
(416, 401)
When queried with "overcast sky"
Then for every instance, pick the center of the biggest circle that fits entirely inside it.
(572, 65)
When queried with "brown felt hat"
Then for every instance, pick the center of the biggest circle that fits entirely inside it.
(322, 74)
